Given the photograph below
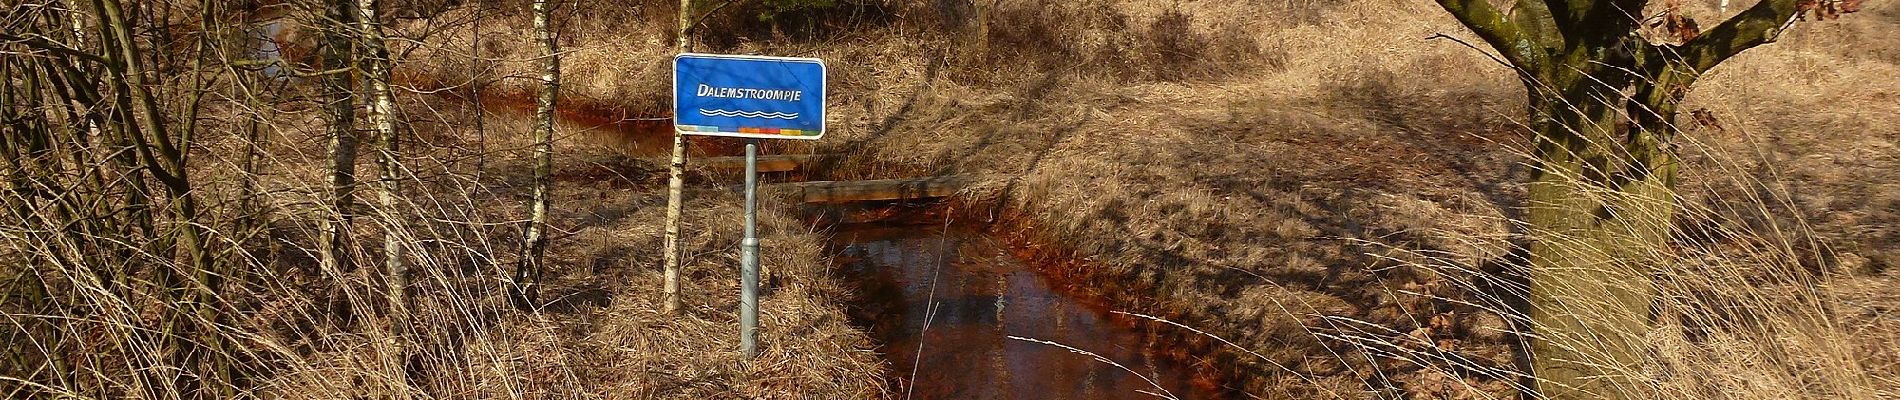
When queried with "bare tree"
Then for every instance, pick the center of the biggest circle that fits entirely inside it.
(102, 206)
(232, 40)
(379, 113)
(528, 270)
(339, 98)
(676, 186)
(164, 156)
(1603, 99)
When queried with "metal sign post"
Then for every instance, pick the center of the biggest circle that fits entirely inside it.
(755, 98)
(749, 256)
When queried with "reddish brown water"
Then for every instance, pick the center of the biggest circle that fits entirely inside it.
(946, 304)
(599, 125)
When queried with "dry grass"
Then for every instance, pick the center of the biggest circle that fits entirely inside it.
(600, 333)
(1343, 210)
(1321, 185)
(305, 333)
(1313, 182)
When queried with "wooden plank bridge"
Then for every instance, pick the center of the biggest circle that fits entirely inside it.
(777, 163)
(872, 190)
(840, 191)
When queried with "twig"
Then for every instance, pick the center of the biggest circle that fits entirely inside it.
(1494, 58)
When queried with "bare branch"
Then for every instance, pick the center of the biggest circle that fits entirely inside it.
(41, 42)
(1493, 58)
(1756, 26)
(1498, 30)
(701, 20)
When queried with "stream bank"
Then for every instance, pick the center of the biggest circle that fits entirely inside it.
(960, 312)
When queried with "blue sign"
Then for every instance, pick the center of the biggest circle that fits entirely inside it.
(749, 96)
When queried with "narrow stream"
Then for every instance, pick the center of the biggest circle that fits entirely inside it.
(960, 317)
(945, 303)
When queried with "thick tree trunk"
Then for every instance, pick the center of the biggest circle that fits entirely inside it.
(528, 271)
(1600, 208)
(1603, 103)
(675, 188)
(340, 109)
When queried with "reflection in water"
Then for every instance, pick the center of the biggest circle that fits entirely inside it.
(944, 304)
(632, 135)
(267, 47)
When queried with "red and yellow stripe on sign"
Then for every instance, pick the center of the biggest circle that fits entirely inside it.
(756, 131)
(773, 131)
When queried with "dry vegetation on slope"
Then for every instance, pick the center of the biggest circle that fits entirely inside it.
(1320, 183)
(1331, 200)
(601, 333)
(1314, 181)
(298, 331)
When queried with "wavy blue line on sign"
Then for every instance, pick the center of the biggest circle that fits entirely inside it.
(747, 114)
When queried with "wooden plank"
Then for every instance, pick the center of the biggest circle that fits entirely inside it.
(775, 163)
(872, 190)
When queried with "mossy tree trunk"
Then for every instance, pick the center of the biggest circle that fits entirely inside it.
(1602, 200)
(1600, 206)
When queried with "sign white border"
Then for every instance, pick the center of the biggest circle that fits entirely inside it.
(824, 84)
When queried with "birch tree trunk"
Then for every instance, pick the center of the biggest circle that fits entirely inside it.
(379, 115)
(340, 110)
(528, 270)
(676, 186)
